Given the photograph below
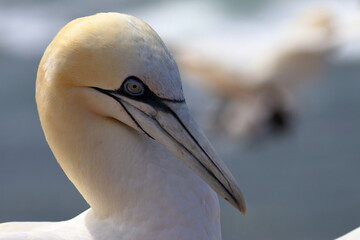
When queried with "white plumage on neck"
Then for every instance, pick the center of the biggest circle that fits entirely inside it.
(130, 179)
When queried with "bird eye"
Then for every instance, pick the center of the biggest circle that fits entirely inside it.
(133, 87)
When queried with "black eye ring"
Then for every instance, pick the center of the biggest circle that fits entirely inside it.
(133, 87)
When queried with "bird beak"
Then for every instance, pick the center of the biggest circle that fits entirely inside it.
(170, 123)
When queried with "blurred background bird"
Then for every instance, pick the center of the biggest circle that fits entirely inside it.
(256, 97)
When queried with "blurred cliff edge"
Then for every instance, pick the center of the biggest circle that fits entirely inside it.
(256, 96)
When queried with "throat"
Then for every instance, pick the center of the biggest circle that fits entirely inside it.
(135, 184)
(161, 196)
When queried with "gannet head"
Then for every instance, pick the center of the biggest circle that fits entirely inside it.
(120, 69)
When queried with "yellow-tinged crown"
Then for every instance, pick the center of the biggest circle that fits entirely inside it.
(104, 49)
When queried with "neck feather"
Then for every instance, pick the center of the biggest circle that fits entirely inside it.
(129, 179)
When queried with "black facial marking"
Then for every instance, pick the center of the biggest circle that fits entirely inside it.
(127, 111)
(147, 96)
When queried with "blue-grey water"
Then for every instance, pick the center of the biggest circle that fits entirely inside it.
(303, 185)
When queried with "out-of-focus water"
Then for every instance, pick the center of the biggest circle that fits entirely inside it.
(304, 185)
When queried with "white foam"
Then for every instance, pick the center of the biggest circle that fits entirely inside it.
(27, 30)
(237, 38)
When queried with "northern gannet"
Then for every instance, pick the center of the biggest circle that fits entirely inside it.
(113, 112)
